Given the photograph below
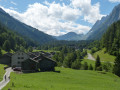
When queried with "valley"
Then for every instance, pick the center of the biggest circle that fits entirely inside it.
(60, 46)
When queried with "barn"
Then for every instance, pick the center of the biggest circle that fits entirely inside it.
(46, 64)
(29, 65)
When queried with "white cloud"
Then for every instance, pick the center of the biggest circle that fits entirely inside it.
(90, 12)
(13, 3)
(56, 19)
(114, 1)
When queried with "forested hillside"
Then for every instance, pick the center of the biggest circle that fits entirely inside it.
(23, 29)
(10, 40)
(111, 39)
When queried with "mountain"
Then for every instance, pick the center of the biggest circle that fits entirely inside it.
(101, 26)
(11, 40)
(23, 29)
(71, 36)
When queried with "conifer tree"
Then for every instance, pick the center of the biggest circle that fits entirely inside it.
(97, 63)
(116, 69)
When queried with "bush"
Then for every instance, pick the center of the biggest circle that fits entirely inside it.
(90, 67)
(99, 68)
(76, 65)
(107, 66)
(85, 66)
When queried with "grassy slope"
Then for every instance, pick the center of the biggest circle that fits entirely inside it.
(68, 79)
(104, 56)
(2, 71)
(88, 61)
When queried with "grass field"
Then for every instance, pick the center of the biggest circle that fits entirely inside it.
(88, 61)
(68, 79)
(104, 56)
(2, 71)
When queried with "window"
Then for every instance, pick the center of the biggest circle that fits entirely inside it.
(22, 57)
(19, 62)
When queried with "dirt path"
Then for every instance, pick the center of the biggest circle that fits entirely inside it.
(90, 57)
(6, 79)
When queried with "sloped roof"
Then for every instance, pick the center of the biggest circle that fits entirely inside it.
(8, 54)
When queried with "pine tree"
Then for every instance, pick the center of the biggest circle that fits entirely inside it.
(97, 63)
(116, 69)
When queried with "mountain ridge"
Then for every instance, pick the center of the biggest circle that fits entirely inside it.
(23, 29)
(100, 27)
(70, 36)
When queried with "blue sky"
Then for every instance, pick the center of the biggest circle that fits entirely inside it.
(57, 17)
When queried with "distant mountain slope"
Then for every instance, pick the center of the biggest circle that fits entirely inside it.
(70, 36)
(23, 29)
(11, 40)
(101, 26)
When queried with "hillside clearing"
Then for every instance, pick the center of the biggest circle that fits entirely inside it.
(68, 79)
(104, 56)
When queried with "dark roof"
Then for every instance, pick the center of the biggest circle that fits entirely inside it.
(37, 58)
(36, 53)
(32, 55)
(8, 54)
(42, 56)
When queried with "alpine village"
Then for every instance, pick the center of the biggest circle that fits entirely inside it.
(60, 45)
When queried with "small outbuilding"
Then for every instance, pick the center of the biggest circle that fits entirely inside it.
(6, 59)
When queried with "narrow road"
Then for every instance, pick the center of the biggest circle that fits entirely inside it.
(90, 57)
(6, 79)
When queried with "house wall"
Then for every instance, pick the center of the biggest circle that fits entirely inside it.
(5, 60)
(18, 58)
(46, 65)
(29, 65)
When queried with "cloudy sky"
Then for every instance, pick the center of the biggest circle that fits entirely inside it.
(57, 17)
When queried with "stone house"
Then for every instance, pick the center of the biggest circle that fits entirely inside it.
(18, 58)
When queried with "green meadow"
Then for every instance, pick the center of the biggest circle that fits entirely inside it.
(104, 56)
(2, 71)
(67, 79)
(88, 61)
